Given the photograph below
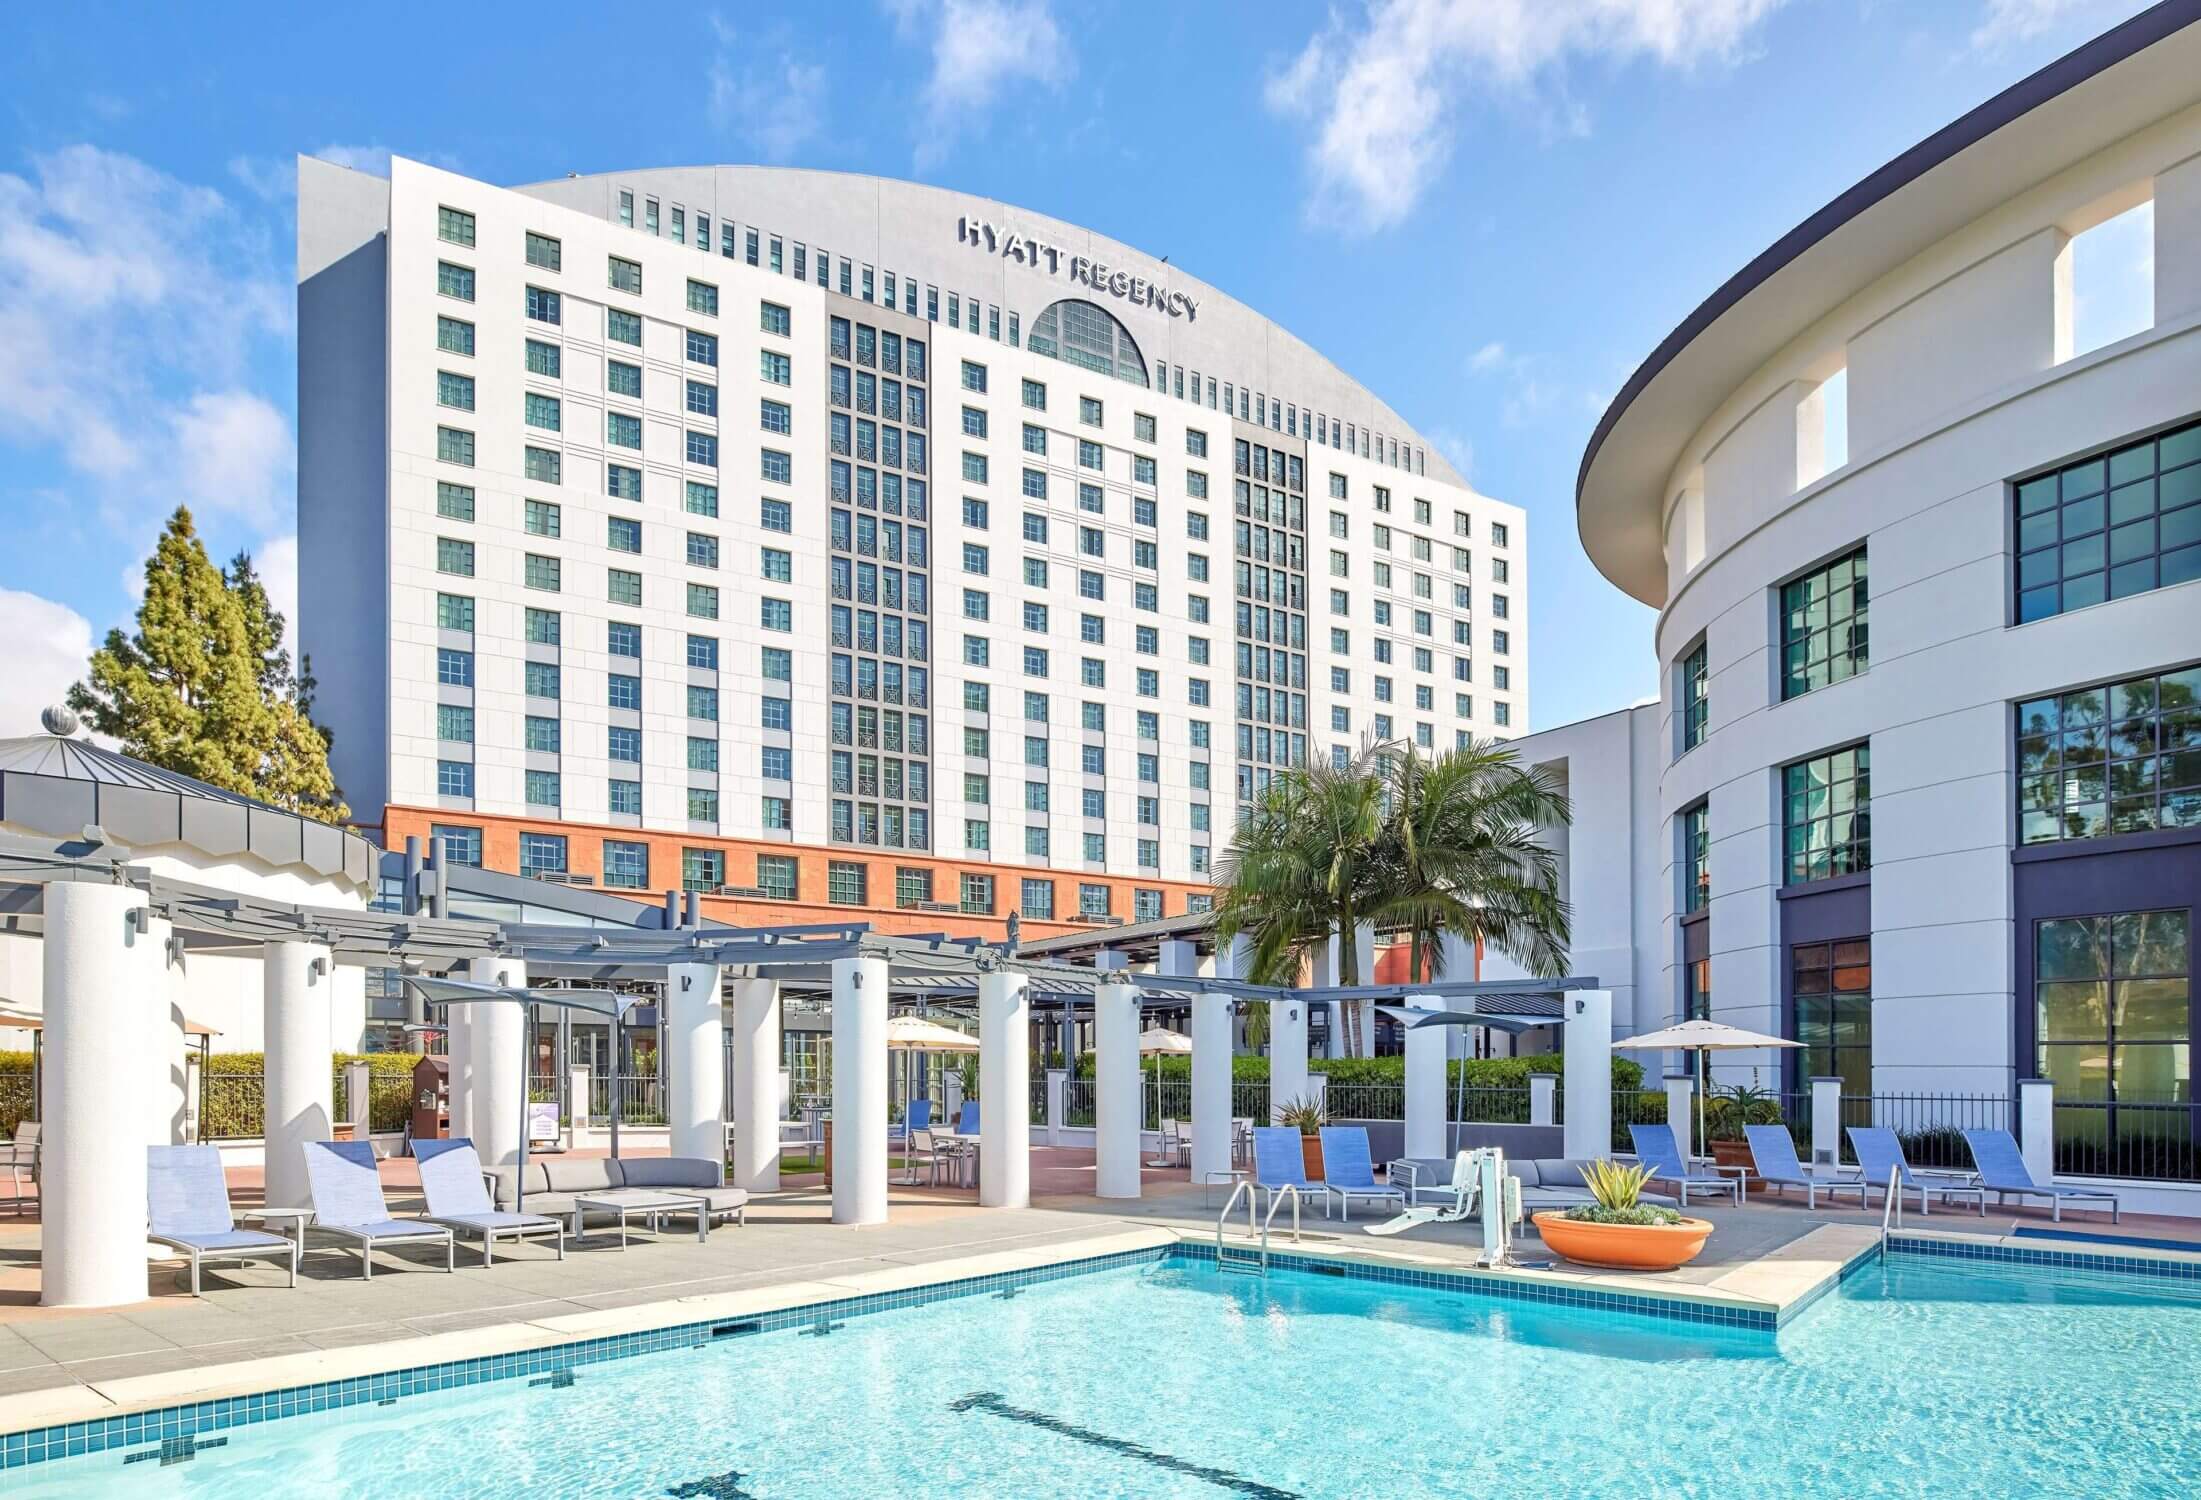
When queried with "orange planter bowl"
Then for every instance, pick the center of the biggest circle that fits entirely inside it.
(1623, 1247)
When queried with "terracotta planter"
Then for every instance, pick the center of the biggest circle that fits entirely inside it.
(1623, 1247)
(1310, 1153)
(1735, 1154)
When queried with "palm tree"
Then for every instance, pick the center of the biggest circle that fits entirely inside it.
(1302, 865)
(1460, 856)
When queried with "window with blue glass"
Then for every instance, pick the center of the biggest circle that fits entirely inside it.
(623, 691)
(777, 763)
(455, 668)
(624, 744)
(622, 638)
(2109, 526)
(454, 778)
(626, 798)
(627, 862)
(542, 854)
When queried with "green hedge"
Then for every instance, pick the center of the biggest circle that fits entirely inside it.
(1481, 1072)
(233, 1099)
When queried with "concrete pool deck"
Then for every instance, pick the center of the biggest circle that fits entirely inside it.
(251, 1332)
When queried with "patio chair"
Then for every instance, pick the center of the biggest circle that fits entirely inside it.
(1773, 1158)
(918, 1118)
(452, 1179)
(1175, 1145)
(22, 1159)
(1348, 1172)
(925, 1147)
(2002, 1171)
(1656, 1147)
(347, 1202)
(1241, 1139)
(1280, 1164)
(968, 1124)
(1881, 1155)
(187, 1209)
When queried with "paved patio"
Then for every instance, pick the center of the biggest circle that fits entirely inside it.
(253, 1332)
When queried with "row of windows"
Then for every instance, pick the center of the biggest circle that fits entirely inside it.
(545, 518)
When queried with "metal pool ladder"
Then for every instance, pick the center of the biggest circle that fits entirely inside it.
(1891, 1210)
(1233, 1258)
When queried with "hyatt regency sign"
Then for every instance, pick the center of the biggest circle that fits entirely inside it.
(1084, 270)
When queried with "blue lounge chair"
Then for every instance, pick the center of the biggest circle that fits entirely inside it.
(918, 1117)
(1348, 1172)
(1656, 1147)
(347, 1202)
(1280, 1164)
(187, 1209)
(452, 1179)
(2002, 1171)
(968, 1124)
(1881, 1155)
(1773, 1158)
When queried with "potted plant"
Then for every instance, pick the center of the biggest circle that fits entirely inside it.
(1305, 1115)
(1620, 1232)
(1727, 1110)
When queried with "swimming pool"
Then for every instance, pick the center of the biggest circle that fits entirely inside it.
(1916, 1375)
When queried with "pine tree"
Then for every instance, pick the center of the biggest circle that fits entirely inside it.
(205, 687)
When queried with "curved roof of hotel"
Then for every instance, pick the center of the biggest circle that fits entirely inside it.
(910, 228)
(2076, 106)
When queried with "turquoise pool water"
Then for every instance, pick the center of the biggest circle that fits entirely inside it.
(1916, 1377)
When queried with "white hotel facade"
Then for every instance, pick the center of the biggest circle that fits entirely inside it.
(1922, 790)
(816, 538)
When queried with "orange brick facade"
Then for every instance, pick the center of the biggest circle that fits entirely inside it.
(584, 856)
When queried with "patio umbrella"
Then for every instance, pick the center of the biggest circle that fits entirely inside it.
(916, 1034)
(1157, 1042)
(1704, 1038)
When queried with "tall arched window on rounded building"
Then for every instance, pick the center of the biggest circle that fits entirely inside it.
(1082, 333)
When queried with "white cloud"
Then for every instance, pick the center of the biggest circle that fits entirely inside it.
(373, 160)
(1383, 90)
(1489, 357)
(978, 48)
(1458, 448)
(277, 562)
(2010, 21)
(49, 646)
(763, 94)
(130, 356)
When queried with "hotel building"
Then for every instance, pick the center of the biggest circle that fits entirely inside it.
(806, 538)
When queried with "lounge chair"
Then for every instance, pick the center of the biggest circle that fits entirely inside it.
(22, 1160)
(968, 1124)
(1881, 1155)
(2002, 1171)
(187, 1209)
(458, 1198)
(1773, 1158)
(347, 1202)
(1348, 1172)
(1657, 1149)
(1280, 1164)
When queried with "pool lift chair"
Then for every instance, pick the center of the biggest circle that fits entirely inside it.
(1482, 1189)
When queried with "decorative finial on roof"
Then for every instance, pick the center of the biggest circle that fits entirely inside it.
(59, 720)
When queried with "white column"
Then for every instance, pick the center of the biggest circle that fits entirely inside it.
(1287, 1052)
(1057, 1109)
(1004, 1091)
(1681, 1090)
(1211, 1051)
(695, 1067)
(1543, 1100)
(1826, 1122)
(1117, 1116)
(300, 1075)
(1176, 957)
(1426, 1135)
(496, 1074)
(167, 1047)
(1589, 1073)
(93, 1186)
(859, 1091)
(358, 1082)
(753, 1011)
(2037, 1127)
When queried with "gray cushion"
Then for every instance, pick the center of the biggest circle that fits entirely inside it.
(575, 1174)
(1529, 1172)
(672, 1171)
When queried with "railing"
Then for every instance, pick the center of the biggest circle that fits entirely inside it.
(340, 1095)
(1635, 1107)
(1077, 1101)
(2151, 1140)
(641, 1098)
(1039, 1099)
(232, 1106)
(389, 1102)
(1931, 1127)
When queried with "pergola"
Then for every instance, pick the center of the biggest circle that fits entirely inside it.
(98, 914)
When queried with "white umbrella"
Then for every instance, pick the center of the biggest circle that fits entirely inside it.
(1703, 1037)
(1156, 1041)
(916, 1034)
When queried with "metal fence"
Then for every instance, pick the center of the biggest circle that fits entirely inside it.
(1039, 1099)
(232, 1106)
(2148, 1140)
(1077, 1101)
(1930, 1127)
(641, 1098)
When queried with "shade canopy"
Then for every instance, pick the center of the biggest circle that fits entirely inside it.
(916, 1034)
(1703, 1036)
(1160, 1039)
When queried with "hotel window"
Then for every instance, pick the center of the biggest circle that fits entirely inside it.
(703, 805)
(846, 882)
(544, 306)
(542, 854)
(1827, 815)
(455, 445)
(977, 895)
(455, 281)
(2124, 757)
(623, 379)
(776, 876)
(455, 723)
(703, 701)
(1823, 626)
(974, 377)
(702, 869)
(454, 556)
(541, 679)
(542, 572)
(703, 298)
(1035, 395)
(454, 335)
(2113, 525)
(622, 690)
(2112, 997)
(542, 790)
(454, 502)
(540, 733)
(1831, 985)
(776, 813)
(773, 318)
(1696, 858)
(625, 275)
(702, 449)
(1696, 704)
(544, 251)
(1038, 899)
(703, 656)
(623, 587)
(623, 327)
(455, 225)
(544, 359)
(626, 864)
(542, 518)
(626, 209)
(622, 482)
(542, 411)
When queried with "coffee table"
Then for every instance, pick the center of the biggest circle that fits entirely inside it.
(625, 1203)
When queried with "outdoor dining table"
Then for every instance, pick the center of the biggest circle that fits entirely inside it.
(968, 1159)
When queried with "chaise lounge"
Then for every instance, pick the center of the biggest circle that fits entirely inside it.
(187, 1209)
(347, 1202)
(451, 1177)
(2002, 1171)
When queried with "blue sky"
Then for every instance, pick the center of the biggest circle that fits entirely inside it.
(1487, 210)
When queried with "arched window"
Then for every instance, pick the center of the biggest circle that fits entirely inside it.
(1084, 334)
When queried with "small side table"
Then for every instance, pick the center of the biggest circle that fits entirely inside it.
(288, 1222)
(625, 1202)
